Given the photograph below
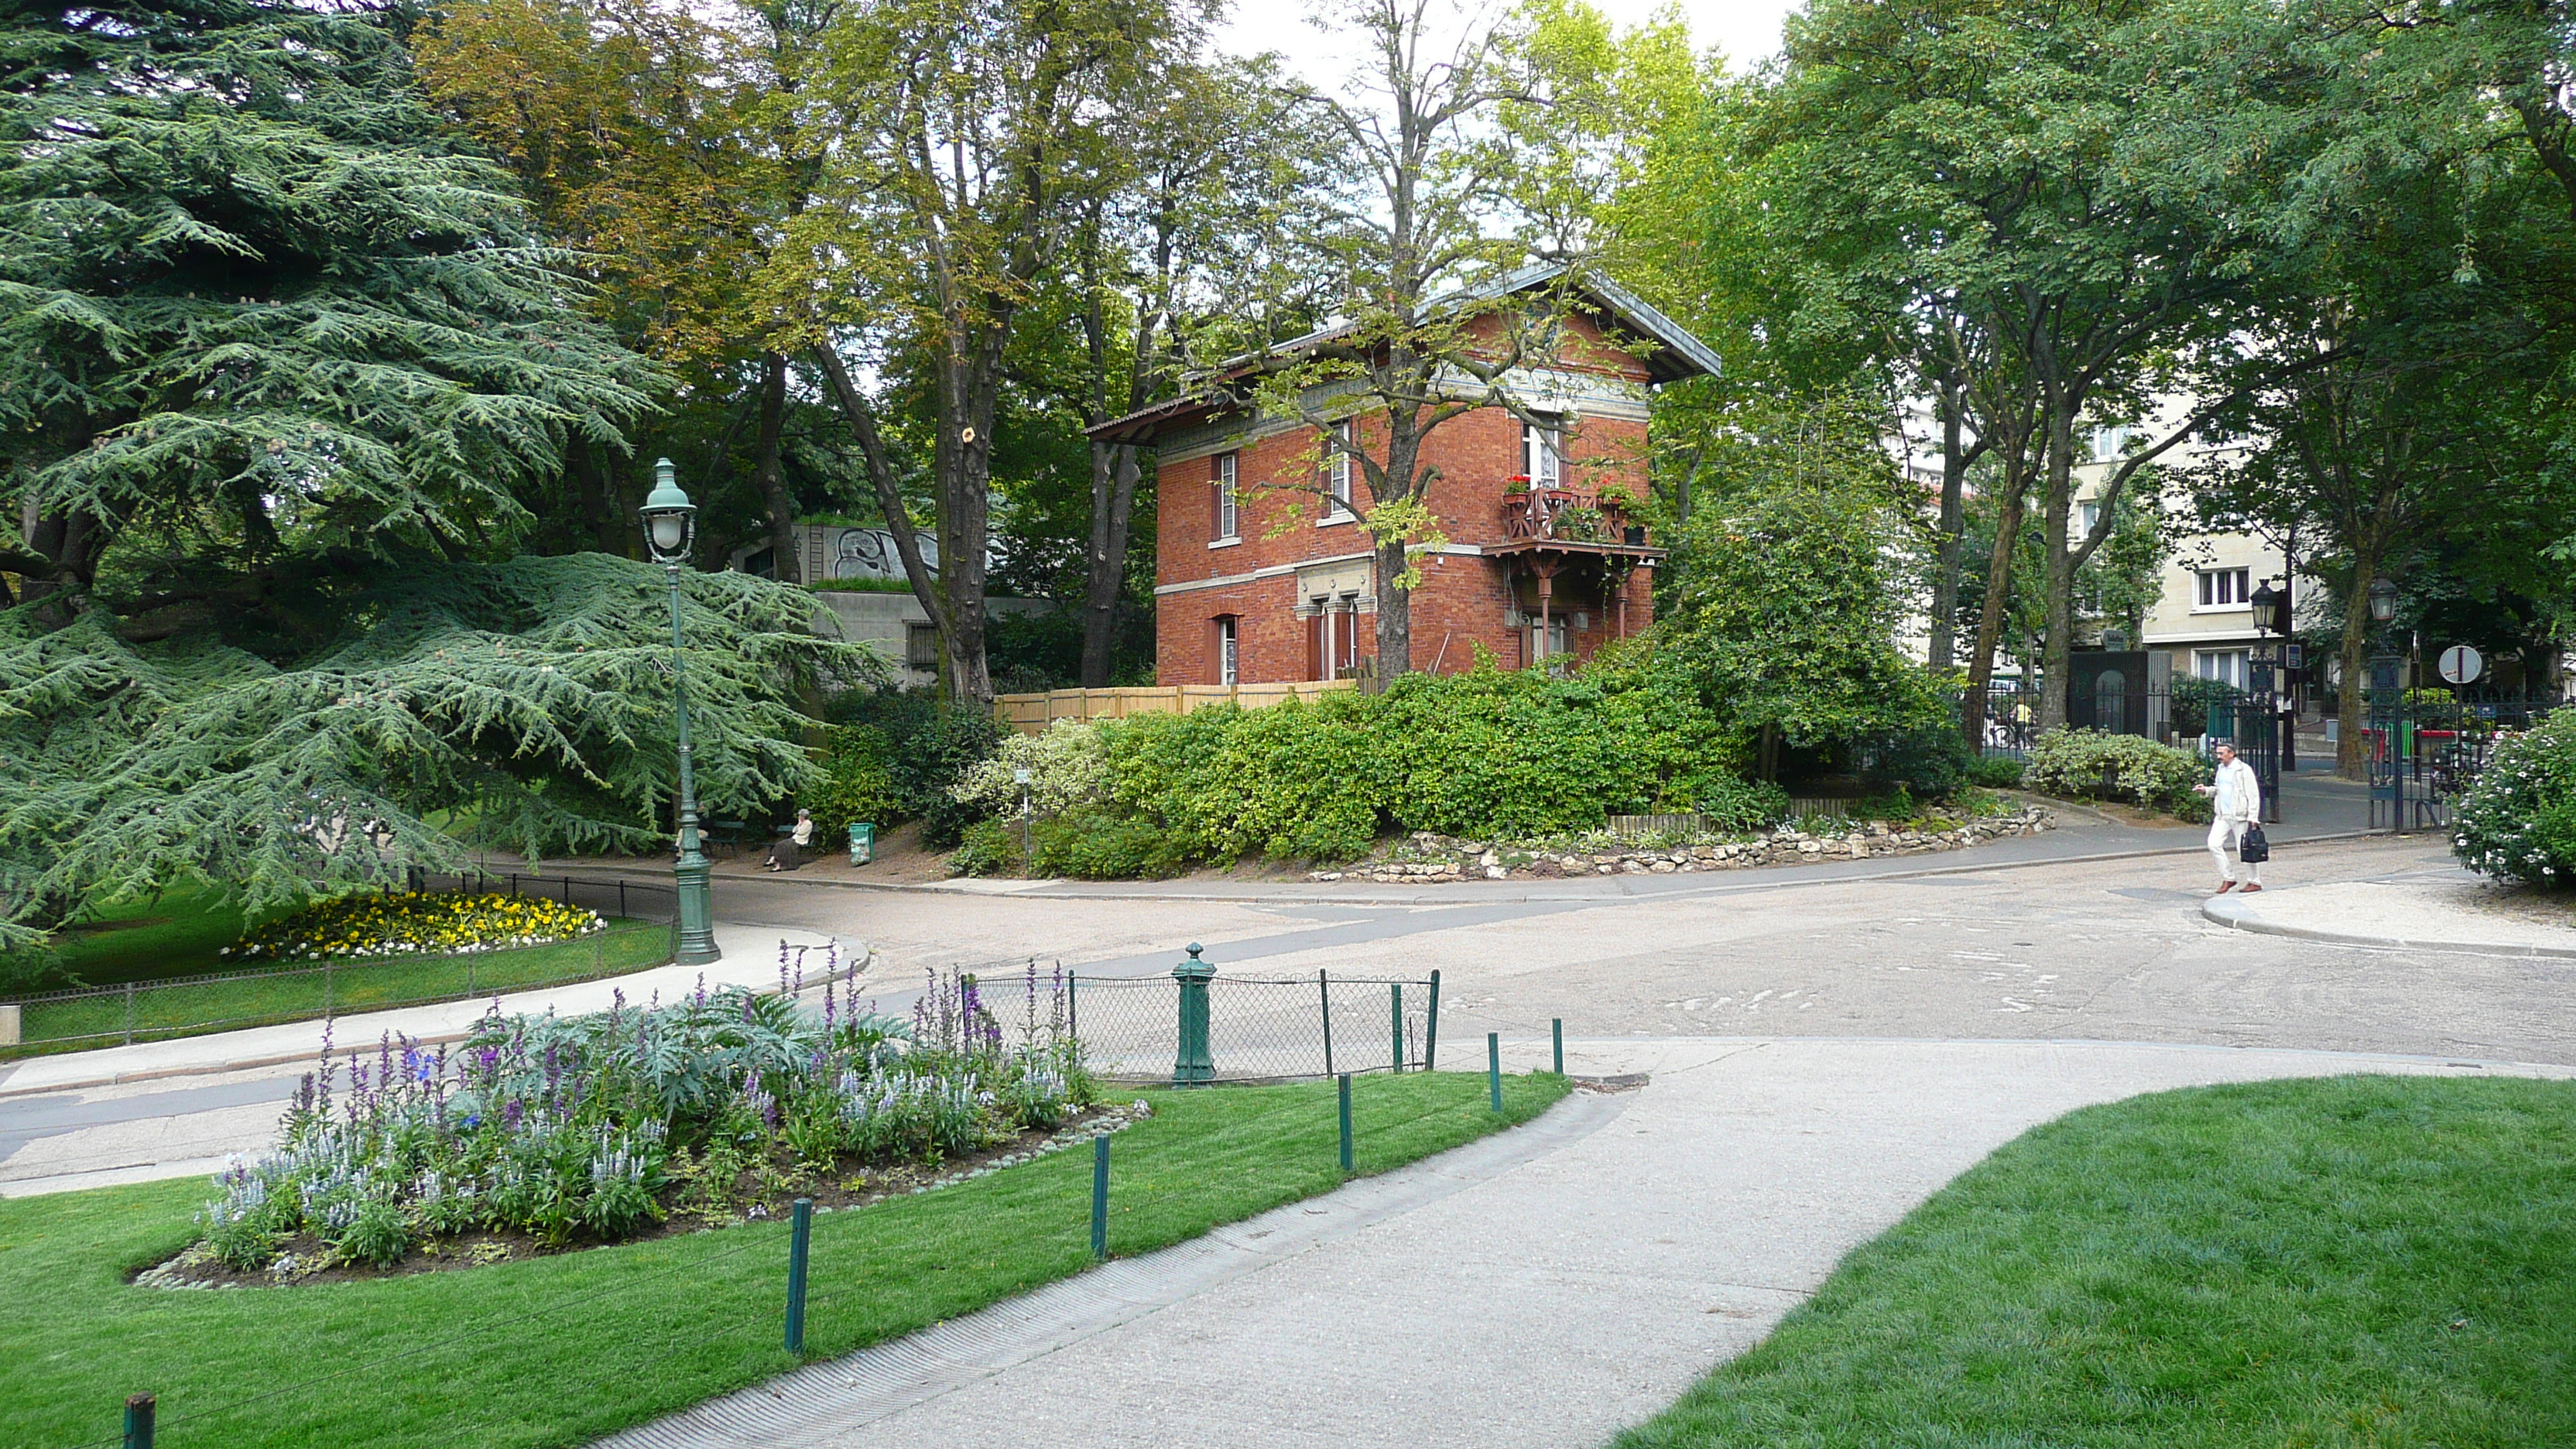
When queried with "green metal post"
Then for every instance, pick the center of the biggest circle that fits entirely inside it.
(1100, 1195)
(129, 1013)
(697, 925)
(139, 1413)
(1193, 1066)
(1494, 1067)
(1324, 988)
(1431, 1029)
(1345, 1080)
(1395, 1011)
(800, 1238)
(1556, 1030)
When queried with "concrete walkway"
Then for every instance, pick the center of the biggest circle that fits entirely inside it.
(1547, 1287)
(2423, 911)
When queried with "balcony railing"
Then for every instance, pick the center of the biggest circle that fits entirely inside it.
(1571, 515)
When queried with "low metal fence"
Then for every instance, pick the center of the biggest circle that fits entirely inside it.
(158, 1010)
(1258, 1028)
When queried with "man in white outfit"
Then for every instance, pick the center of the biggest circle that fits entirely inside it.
(2238, 802)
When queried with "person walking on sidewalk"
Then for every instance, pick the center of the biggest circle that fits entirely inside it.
(2237, 801)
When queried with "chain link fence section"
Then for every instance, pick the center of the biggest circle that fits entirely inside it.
(1260, 1029)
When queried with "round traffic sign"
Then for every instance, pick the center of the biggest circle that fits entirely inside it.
(2462, 664)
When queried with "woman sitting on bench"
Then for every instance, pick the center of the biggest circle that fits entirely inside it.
(790, 853)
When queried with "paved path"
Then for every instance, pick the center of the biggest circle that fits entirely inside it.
(1544, 1288)
(2429, 909)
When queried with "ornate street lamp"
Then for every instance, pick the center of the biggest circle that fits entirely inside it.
(2383, 600)
(670, 526)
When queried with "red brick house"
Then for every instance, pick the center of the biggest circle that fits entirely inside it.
(1538, 564)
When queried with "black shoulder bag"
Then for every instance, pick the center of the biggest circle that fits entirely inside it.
(2251, 847)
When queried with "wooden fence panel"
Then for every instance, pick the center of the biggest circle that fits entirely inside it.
(1032, 713)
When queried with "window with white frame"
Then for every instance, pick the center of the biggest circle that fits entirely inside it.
(2224, 588)
(2109, 443)
(1221, 478)
(1542, 455)
(2227, 666)
(1337, 467)
(1228, 659)
(2086, 516)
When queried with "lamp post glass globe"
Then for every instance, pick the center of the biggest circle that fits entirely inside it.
(669, 524)
(670, 519)
(2263, 606)
(2383, 600)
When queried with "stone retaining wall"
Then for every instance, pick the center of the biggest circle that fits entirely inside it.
(1433, 858)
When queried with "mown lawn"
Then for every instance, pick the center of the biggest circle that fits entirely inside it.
(190, 1008)
(177, 933)
(557, 1351)
(2373, 1261)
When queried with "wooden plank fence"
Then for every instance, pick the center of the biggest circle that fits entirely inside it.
(1031, 713)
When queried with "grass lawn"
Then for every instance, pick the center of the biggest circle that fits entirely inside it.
(191, 1008)
(2373, 1261)
(176, 933)
(557, 1351)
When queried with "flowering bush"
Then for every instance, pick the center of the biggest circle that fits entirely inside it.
(1067, 770)
(2517, 821)
(595, 1127)
(2081, 763)
(424, 923)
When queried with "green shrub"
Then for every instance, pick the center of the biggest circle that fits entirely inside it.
(930, 761)
(1101, 845)
(1293, 781)
(1928, 758)
(858, 784)
(1733, 804)
(2517, 821)
(987, 847)
(2195, 702)
(2093, 764)
(1995, 772)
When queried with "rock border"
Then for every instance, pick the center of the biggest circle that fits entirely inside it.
(1424, 857)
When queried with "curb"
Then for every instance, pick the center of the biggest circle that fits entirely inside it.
(1765, 878)
(2231, 912)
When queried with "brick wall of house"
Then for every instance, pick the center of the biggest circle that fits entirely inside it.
(1464, 600)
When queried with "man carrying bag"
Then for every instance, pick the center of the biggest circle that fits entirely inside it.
(2237, 808)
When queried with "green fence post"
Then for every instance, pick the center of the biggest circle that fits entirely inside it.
(1324, 989)
(800, 1238)
(1395, 1010)
(1556, 1031)
(1100, 1195)
(326, 988)
(1193, 1065)
(140, 1411)
(1494, 1067)
(1072, 1005)
(1431, 1029)
(1345, 1080)
(129, 1013)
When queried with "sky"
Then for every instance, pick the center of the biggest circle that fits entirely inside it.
(1746, 30)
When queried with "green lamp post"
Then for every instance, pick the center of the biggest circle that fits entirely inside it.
(670, 526)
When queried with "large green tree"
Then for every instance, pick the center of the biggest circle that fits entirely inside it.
(276, 359)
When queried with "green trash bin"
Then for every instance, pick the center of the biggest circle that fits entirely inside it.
(863, 843)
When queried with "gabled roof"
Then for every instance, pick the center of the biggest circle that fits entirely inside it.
(1676, 353)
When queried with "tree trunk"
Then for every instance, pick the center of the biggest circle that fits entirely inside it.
(962, 462)
(1114, 472)
(1945, 558)
(2349, 761)
(1990, 617)
(2056, 504)
(784, 563)
(598, 496)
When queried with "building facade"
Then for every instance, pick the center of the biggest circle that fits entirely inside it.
(1265, 574)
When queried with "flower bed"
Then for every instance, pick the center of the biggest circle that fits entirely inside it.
(538, 1134)
(1437, 858)
(426, 923)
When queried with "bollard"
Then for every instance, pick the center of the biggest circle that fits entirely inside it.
(139, 1413)
(1345, 1080)
(1556, 1031)
(1431, 1027)
(1100, 1195)
(1395, 1009)
(1494, 1067)
(800, 1236)
(1193, 1066)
